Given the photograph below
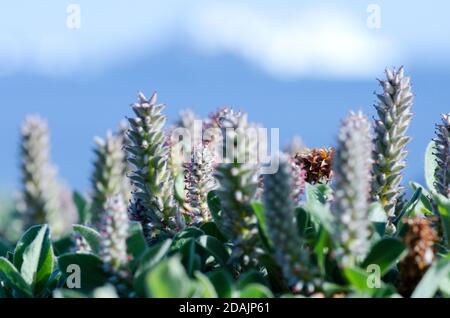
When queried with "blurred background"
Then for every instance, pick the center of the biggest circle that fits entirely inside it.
(299, 66)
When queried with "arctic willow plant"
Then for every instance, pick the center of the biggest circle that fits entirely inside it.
(110, 173)
(199, 180)
(39, 198)
(282, 227)
(238, 178)
(153, 198)
(352, 165)
(394, 115)
(442, 153)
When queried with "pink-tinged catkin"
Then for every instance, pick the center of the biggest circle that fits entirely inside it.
(442, 153)
(199, 181)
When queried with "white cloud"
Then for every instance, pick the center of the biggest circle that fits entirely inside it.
(287, 41)
(312, 42)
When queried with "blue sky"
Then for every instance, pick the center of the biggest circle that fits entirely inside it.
(294, 65)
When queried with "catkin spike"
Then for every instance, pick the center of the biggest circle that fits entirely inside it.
(282, 227)
(153, 198)
(40, 194)
(199, 181)
(113, 227)
(110, 173)
(238, 178)
(442, 153)
(352, 172)
(394, 116)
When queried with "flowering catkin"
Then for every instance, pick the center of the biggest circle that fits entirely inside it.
(238, 177)
(394, 115)
(442, 153)
(40, 194)
(199, 180)
(113, 228)
(298, 175)
(153, 198)
(110, 173)
(352, 165)
(282, 227)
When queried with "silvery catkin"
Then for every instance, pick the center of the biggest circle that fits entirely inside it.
(114, 225)
(442, 153)
(199, 181)
(282, 227)
(40, 194)
(237, 186)
(113, 228)
(110, 172)
(394, 116)
(153, 198)
(352, 171)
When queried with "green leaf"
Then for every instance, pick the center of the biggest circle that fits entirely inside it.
(34, 256)
(91, 270)
(153, 256)
(12, 277)
(320, 249)
(320, 216)
(317, 193)
(189, 258)
(185, 235)
(215, 248)
(358, 279)
(136, 244)
(408, 209)
(223, 283)
(436, 274)
(83, 208)
(250, 277)
(425, 197)
(214, 206)
(255, 291)
(169, 280)
(444, 212)
(63, 245)
(179, 188)
(444, 286)
(68, 293)
(302, 221)
(385, 253)
(210, 228)
(205, 288)
(258, 209)
(91, 236)
(430, 166)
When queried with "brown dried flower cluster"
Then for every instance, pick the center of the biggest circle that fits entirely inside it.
(420, 240)
(317, 164)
